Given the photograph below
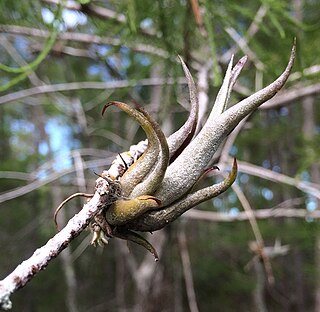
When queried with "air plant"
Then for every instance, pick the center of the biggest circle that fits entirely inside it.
(152, 184)
(154, 187)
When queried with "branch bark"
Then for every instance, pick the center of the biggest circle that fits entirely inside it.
(84, 38)
(259, 214)
(291, 96)
(15, 96)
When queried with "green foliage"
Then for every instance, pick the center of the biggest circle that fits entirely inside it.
(25, 70)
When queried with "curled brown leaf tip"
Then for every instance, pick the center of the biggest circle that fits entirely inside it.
(64, 202)
(105, 108)
(211, 169)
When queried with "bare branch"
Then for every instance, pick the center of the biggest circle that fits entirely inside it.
(259, 214)
(15, 96)
(18, 58)
(59, 49)
(243, 45)
(100, 12)
(15, 175)
(187, 272)
(84, 38)
(309, 71)
(49, 178)
(291, 95)
(310, 188)
(255, 228)
(252, 30)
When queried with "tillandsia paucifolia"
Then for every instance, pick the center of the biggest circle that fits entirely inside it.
(151, 185)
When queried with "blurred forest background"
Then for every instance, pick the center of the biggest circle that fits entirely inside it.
(59, 67)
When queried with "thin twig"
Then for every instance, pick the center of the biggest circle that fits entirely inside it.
(17, 192)
(187, 272)
(100, 12)
(65, 201)
(291, 95)
(15, 96)
(252, 30)
(242, 43)
(307, 187)
(259, 214)
(84, 38)
(256, 231)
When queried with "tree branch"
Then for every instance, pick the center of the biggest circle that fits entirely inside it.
(84, 38)
(291, 95)
(201, 215)
(15, 96)
(307, 187)
(100, 12)
(42, 256)
(17, 192)
(187, 271)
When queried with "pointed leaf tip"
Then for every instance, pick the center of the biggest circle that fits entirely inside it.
(181, 138)
(234, 166)
(106, 106)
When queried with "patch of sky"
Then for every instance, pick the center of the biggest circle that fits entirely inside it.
(113, 61)
(266, 164)
(23, 46)
(233, 212)
(125, 62)
(305, 176)
(47, 15)
(94, 70)
(146, 23)
(233, 150)
(244, 178)
(99, 70)
(43, 148)
(284, 111)
(61, 143)
(21, 126)
(267, 193)
(21, 130)
(142, 59)
(276, 168)
(124, 50)
(309, 219)
(232, 198)
(70, 18)
(102, 49)
(73, 18)
(311, 204)
(217, 203)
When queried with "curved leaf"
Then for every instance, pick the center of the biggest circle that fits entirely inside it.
(125, 210)
(155, 177)
(155, 220)
(181, 138)
(144, 164)
(187, 168)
